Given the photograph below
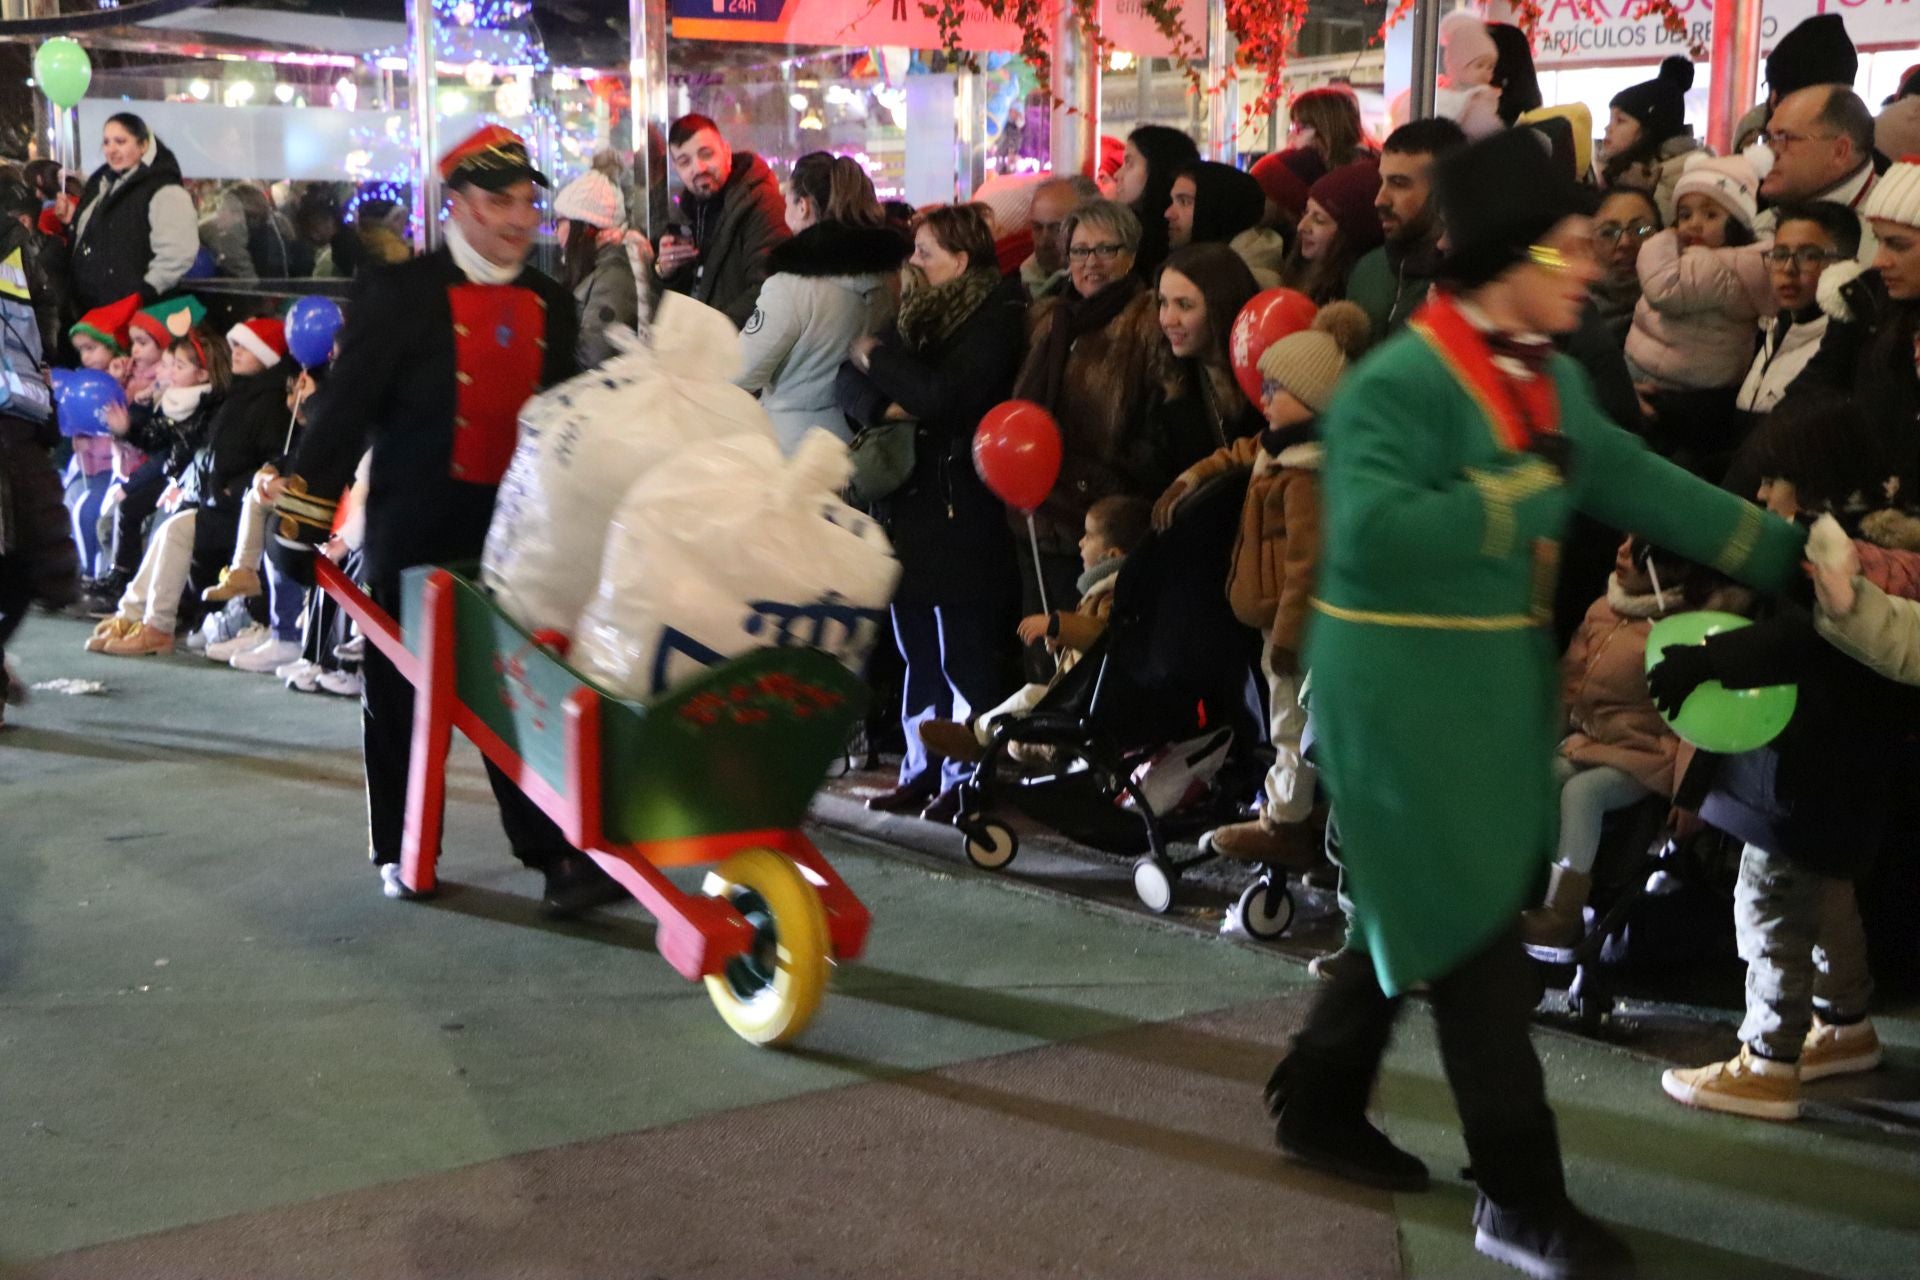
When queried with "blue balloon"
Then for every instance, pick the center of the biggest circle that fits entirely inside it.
(311, 326)
(81, 398)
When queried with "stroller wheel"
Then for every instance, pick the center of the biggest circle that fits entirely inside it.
(1266, 908)
(1154, 885)
(990, 845)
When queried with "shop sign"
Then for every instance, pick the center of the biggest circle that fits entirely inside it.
(1585, 32)
(835, 23)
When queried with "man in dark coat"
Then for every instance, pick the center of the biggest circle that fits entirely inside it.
(436, 358)
(735, 214)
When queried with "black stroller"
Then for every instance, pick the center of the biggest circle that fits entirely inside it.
(1174, 667)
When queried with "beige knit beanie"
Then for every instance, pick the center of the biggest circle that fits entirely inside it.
(592, 199)
(1309, 363)
(1896, 196)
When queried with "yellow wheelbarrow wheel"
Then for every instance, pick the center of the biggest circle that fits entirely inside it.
(769, 993)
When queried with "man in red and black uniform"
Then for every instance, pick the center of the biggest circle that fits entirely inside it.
(436, 357)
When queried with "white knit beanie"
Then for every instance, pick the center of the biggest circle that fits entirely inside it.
(1896, 196)
(592, 199)
(1733, 181)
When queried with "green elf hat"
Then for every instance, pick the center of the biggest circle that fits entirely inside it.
(108, 325)
(166, 322)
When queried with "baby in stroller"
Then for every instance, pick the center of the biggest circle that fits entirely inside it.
(1139, 726)
(1114, 527)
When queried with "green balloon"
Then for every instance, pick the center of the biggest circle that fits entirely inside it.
(63, 71)
(1714, 717)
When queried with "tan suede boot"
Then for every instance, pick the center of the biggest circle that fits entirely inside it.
(236, 583)
(1557, 922)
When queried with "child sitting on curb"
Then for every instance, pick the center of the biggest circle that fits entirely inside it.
(1273, 563)
(1114, 527)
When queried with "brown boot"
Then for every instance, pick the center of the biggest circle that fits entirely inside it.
(236, 583)
(143, 641)
(1558, 922)
(1292, 845)
(951, 740)
(110, 630)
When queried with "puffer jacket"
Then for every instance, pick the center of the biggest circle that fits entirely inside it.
(1271, 581)
(1787, 343)
(1603, 684)
(610, 295)
(1693, 328)
(830, 284)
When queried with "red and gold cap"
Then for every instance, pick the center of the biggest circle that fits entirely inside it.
(490, 159)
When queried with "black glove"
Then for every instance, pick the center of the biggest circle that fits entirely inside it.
(1555, 450)
(1682, 669)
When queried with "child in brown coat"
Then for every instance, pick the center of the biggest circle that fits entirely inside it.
(1271, 582)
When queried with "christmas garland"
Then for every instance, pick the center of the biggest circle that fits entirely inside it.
(1265, 30)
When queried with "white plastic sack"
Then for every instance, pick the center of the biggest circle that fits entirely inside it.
(730, 547)
(583, 444)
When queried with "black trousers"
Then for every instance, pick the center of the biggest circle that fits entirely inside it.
(16, 598)
(139, 499)
(386, 734)
(1481, 1010)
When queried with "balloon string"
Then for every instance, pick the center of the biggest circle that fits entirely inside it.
(1039, 575)
(293, 420)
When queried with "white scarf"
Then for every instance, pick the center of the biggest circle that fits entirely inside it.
(473, 265)
(179, 403)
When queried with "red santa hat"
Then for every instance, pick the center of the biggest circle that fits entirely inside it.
(264, 336)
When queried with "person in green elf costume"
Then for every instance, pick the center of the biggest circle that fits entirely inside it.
(1455, 456)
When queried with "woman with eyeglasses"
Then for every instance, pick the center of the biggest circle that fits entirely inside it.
(1621, 225)
(1091, 362)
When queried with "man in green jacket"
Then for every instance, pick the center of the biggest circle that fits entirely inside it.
(1391, 282)
(1456, 454)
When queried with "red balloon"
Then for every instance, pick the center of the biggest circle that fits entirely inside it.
(1267, 318)
(1017, 453)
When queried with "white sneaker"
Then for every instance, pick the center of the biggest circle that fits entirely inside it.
(286, 669)
(225, 650)
(344, 683)
(354, 650)
(266, 656)
(303, 676)
(197, 640)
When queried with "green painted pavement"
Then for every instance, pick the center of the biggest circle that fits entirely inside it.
(207, 1009)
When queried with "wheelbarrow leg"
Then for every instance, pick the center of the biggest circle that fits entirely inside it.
(432, 738)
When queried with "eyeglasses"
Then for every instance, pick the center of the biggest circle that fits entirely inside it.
(1610, 233)
(1780, 139)
(1104, 252)
(1805, 258)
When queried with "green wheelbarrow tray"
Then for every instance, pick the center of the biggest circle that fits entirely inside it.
(723, 765)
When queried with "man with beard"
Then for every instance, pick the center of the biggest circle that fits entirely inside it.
(735, 214)
(1390, 283)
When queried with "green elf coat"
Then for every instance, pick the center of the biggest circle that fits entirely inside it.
(1435, 699)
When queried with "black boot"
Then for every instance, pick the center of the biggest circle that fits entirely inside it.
(575, 883)
(1557, 1243)
(1323, 1124)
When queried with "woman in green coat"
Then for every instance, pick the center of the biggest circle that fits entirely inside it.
(1456, 455)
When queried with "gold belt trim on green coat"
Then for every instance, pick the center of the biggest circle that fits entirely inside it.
(1430, 621)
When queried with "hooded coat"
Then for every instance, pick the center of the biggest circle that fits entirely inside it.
(831, 284)
(135, 232)
(736, 230)
(1693, 326)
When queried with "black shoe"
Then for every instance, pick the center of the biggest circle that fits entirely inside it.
(576, 883)
(908, 799)
(1550, 1244)
(945, 807)
(392, 885)
(1352, 1149)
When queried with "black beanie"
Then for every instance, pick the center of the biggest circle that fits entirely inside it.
(1513, 72)
(1225, 201)
(1497, 197)
(1815, 52)
(1659, 104)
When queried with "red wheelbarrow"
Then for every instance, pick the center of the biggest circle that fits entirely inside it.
(720, 770)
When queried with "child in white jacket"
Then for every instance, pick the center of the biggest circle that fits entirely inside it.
(1704, 282)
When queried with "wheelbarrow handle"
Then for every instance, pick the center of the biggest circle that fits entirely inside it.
(376, 624)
